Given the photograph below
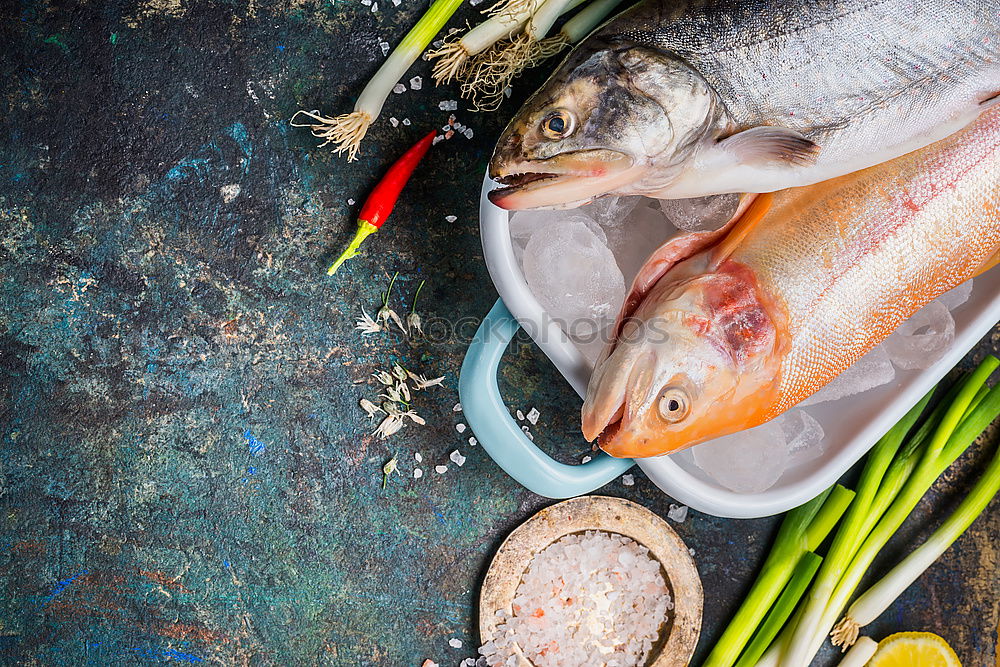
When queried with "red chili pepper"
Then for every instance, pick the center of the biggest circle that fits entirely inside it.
(383, 198)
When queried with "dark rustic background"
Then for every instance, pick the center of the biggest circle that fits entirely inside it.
(184, 473)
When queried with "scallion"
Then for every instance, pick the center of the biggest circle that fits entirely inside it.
(860, 653)
(347, 130)
(877, 599)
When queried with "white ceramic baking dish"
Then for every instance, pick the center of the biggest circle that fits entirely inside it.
(852, 424)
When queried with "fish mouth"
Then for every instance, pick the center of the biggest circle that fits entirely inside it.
(566, 180)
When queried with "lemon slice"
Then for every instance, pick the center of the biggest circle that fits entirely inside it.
(914, 649)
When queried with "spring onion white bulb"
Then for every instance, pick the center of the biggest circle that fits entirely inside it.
(860, 653)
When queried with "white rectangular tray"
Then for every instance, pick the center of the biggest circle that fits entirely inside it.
(852, 424)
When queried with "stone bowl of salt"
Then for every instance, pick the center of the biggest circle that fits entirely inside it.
(591, 581)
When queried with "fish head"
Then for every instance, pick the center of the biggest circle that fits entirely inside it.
(698, 359)
(613, 120)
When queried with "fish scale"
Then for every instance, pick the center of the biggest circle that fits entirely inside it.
(906, 231)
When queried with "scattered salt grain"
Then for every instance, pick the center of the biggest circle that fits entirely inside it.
(417, 457)
(416, 83)
(399, 88)
(610, 599)
(533, 416)
(691, 551)
(406, 121)
(385, 48)
(472, 441)
(436, 140)
(475, 2)
(628, 480)
(417, 473)
(457, 457)
(678, 514)
(374, 7)
(520, 416)
(394, 122)
(528, 433)
(450, 218)
(586, 459)
(440, 469)
(448, 105)
(445, 128)
(455, 643)
(350, 202)
(468, 133)
(460, 427)
(457, 407)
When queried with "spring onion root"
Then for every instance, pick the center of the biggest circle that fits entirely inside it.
(453, 57)
(860, 653)
(877, 599)
(346, 131)
(487, 75)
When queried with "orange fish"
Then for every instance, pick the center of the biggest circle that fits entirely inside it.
(725, 330)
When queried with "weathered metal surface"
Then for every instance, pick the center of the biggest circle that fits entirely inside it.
(184, 473)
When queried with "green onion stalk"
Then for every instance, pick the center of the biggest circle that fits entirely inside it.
(802, 531)
(877, 599)
(346, 131)
(965, 418)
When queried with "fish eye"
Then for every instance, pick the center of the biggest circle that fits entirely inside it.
(673, 404)
(559, 124)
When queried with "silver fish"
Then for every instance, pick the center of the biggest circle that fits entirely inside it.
(676, 99)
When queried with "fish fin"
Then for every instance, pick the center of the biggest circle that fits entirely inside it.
(991, 101)
(767, 144)
(754, 214)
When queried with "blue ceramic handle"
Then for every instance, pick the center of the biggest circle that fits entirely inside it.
(501, 436)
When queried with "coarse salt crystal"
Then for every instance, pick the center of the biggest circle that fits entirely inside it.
(520, 416)
(399, 88)
(350, 202)
(457, 457)
(374, 7)
(628, 480)
(393, 121)
(436, 140)
(457, 407)
(406, 121)
(586, 459)
(468, 133)
(416, 83)
(417, 457)
(472, 441)
(385, 47)
(678, 514)
(450, 218)
(448, 105)
(417, 473)
(460, 427)
(440, 469)
(533, 416)
(527, 433)
(455, 643)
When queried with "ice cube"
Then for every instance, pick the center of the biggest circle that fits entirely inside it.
(633, 243)
(870, 371)
(576, 280)
(750, 461)
(700, 213)
(956, 296)
(921, 340)
(803, 436)
(610, 211)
